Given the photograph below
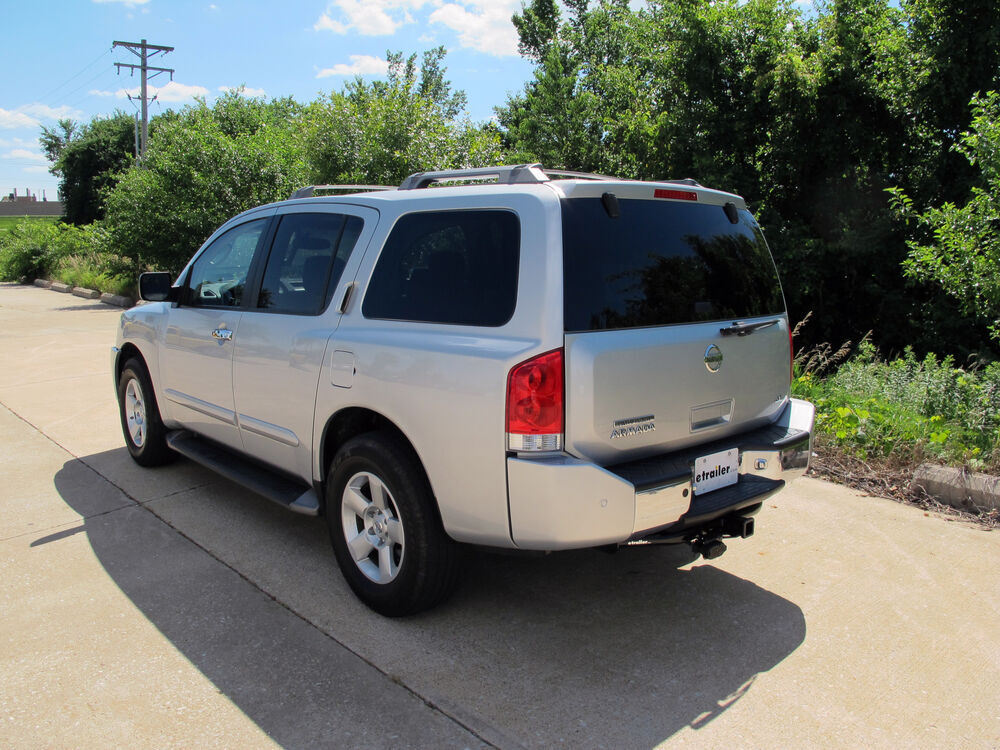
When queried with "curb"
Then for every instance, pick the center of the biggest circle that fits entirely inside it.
(958, 488)
(115, 300)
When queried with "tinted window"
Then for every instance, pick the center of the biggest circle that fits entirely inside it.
(306, 261)
(662, 262)
(220, 273)
(455, 267)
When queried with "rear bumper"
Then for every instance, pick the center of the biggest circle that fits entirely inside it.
(561, 502)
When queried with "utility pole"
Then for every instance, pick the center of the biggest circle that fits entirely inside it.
(144, 51)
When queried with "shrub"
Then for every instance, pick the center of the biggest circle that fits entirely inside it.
(205, 165)
(32, 249)
(908, 408)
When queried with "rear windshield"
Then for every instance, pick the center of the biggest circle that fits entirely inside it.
(661, 263)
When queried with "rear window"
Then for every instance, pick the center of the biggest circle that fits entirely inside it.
(662, 263)
(457, 267)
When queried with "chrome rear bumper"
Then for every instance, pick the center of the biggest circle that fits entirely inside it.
(561, 502)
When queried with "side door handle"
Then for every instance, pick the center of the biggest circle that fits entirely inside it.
(346, 299)
(223, 334)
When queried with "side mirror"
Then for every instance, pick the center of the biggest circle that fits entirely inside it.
(155, 287)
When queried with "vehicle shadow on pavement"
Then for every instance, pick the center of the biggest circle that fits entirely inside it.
(580, 649)
(625, 649)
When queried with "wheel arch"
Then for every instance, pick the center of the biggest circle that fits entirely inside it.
(352, 421)
(128, 351)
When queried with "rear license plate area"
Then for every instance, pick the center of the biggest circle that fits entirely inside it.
(715, 471)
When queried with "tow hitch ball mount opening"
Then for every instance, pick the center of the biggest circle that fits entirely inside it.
(709, 544)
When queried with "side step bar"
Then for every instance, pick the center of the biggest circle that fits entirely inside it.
(255, 477)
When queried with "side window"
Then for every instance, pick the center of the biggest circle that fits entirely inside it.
(457, 267)
(220, 274)
(307, 258)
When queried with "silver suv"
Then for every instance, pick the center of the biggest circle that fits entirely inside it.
(509, 357)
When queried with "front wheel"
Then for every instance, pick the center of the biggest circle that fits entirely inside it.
(384, 528)
(145, 435)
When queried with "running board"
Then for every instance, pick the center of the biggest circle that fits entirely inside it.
(270, 484)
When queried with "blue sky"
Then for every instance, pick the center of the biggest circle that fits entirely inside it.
(59, 61)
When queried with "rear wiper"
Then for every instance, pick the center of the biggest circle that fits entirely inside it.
(745, 329)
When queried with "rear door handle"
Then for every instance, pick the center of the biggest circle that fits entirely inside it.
(223, 334)
(745, 329)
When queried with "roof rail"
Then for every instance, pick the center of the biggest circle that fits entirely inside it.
(581, 175)
(509, 175)
(309, 190)
(516, 174)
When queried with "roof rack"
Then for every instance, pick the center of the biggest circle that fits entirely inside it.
(517, 174)
(310, 190)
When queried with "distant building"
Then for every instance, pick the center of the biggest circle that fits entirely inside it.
(29, 205)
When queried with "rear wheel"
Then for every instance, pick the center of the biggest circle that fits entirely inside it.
(384, 528)
(145, 435)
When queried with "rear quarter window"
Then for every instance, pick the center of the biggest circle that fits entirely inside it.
(662, 263)
(457, 267)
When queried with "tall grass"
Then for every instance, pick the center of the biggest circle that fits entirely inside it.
(907, 409)
(33, 249)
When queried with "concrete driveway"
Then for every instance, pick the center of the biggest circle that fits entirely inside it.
(168, 607)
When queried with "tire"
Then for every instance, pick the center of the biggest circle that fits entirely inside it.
(385, 531)
(145, 435)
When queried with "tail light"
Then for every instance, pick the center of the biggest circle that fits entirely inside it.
(791, 357)
(535, 404)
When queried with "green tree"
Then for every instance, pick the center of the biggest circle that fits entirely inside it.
(53, 140)
(954, 54)
(961, 251)
(809, 116)
(202, 166)
(384, 130)
(88, 161)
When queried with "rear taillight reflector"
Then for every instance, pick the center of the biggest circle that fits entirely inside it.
(535, 403)
(791, 357)
(677, 195)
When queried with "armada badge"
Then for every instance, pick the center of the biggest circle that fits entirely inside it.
(634, 426)
(713, 358)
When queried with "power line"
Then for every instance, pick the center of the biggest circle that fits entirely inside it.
(47, 97)
(101, 74)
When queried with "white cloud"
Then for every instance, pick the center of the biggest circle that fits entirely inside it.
(325, 23)
(95, 92)
(482, 25)
(30, 115)
(38, 169)
(23, 153)
(52, 113)
(15, 142)
(360, 65)
(15, 119)
(172, 92)
(244, 91)
(368, 17)
(178, 92)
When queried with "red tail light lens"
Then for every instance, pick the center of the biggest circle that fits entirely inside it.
(791, 356)
(677, 195)
(535, 403)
